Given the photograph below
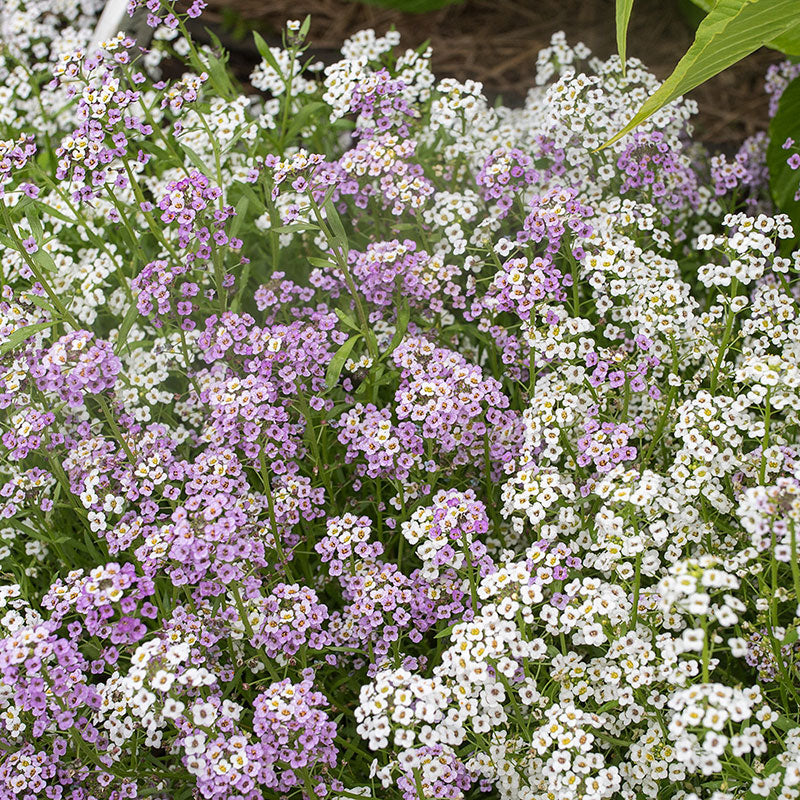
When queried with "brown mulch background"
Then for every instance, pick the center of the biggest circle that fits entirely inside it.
(496, 42)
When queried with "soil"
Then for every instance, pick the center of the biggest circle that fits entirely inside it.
(496, 42)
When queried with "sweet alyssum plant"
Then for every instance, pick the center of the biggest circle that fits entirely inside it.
(363, 440)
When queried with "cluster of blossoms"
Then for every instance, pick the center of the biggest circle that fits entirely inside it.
(76, 365)
(450, 532)
(360, 438)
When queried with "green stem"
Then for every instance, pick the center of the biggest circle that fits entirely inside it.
(115, 427)
(271, 510)
(637, 580)
(729, 319)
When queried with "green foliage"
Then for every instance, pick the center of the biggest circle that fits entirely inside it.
(783, 179)
(692, 14)
(732, 30)
(624, 8)
(338, 361)
(788, 42)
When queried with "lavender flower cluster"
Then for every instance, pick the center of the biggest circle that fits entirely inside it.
(365, 439)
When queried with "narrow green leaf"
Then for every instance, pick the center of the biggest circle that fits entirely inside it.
(401, 326)
(337, 362)
(35, 223)
(125, 328)
(193, 157)
(623, 13)
(329, 193)
(44, 260)
(53, 212)
(241, 211)
(22, 334)
(42, 302)
(325, 263)
(304, 28)
(153, 149)
(217, 68)
(732, 30)
(335, 221)
(95, 554)
(296, 228)
(337, 411)
(783, 723)
(266, 53)
(445, 632)
(255, 200)
(347, 320)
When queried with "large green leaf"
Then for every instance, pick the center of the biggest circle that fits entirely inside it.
(624, 8)
(783, 180)
(732, 30)
(788, 42)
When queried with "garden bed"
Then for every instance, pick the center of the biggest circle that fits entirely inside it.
(364, 436)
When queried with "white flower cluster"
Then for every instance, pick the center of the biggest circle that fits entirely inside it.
(145, 692)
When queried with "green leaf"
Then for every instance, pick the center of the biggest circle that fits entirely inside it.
(329, 193)
(623, 13)
(241, 210)
(302, 118)
(255, 201)
(337, 411)
(783, 723)
(44, 260)
(217, 69)
(35, 223)
(337, 362)
(304, 28)
(155, 150)
(335, 221)
(42, 302)
(325, 263)
(124, 329)
(296, 228)
(445, 632)
(788, 42)
(401, 326)
(52, 212)
(193, 157)
(732, 30)
(22, 334)
(347, 320)
(783, 180)
(266, 53)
